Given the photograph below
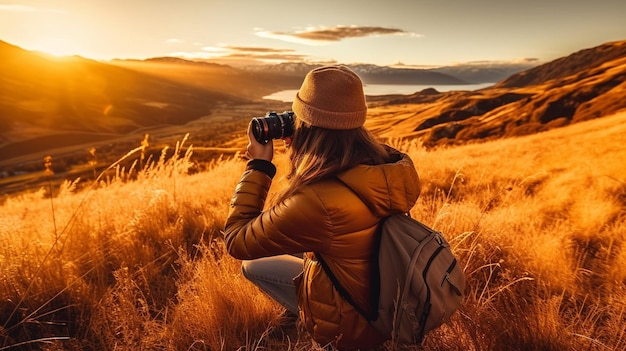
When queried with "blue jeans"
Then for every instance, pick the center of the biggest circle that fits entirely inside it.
(274, 275)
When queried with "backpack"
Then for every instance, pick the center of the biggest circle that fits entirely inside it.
(420, 282)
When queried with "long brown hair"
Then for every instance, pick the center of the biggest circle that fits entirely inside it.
(318, 153)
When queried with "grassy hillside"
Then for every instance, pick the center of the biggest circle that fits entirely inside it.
(135, 260)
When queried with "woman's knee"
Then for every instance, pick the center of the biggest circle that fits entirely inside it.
(276, 268)
(247, 268)
(255, 270)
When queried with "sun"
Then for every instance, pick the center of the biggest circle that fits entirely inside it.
(53, 31)
(59, 47)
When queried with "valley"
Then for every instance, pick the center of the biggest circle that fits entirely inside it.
(67, 107)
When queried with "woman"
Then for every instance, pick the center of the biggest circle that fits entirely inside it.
(341, 184)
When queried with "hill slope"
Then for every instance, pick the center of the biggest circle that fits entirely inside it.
(81, 94)
(582, 86)
(43, 95)
(537, 222)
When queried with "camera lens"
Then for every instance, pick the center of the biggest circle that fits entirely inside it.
(272, 126)
(259, 130)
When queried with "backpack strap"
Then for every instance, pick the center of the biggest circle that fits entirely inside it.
(341, 290)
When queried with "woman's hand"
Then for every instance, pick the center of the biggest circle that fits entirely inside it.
(256, 150)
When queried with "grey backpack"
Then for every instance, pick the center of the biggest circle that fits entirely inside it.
(420, 281)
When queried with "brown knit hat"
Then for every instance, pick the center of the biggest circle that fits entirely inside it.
(331, 97)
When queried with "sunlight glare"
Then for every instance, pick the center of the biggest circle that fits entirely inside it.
(58, 47)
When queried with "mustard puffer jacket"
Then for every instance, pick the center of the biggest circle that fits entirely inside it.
(336, 219)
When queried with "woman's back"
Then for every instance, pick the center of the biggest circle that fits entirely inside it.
(341, 184)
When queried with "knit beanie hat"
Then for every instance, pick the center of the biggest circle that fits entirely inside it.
(331, 97)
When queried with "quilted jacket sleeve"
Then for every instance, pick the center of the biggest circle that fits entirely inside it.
(298, 224)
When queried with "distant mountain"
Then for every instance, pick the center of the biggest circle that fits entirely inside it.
(585, 85)
(471, 73)
(370, 74)
(486, 72)
(248, 84)
(260, 80)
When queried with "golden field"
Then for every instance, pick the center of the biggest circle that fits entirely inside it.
(135, 260)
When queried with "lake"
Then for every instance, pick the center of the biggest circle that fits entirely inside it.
(386, 89)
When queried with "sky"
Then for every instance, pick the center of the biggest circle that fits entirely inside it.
(412, 33)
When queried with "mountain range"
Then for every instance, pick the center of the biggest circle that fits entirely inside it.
(587, 84)
(49, 102)
(470, 73)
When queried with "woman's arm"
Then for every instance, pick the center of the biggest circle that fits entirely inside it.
(298, 224)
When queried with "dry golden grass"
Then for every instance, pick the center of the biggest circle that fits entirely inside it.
(538, 223)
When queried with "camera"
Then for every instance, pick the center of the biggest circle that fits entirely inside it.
(272, 126)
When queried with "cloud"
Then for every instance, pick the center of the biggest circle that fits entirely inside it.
(257, 53)
(400, 64)
(265, 54)
(269, 57)
(173, 41)
(496, 63)
(253, 49)
(327, 35)
(249, 54)
(483, 64)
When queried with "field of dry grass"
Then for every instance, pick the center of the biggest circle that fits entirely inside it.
(539, 223)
